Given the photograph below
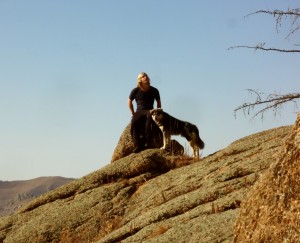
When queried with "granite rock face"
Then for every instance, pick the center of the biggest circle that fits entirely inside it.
(271, 211)
(152, 197)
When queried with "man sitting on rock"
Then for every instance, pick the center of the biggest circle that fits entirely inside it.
(144, 95)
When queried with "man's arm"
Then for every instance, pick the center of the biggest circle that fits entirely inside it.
(130, 105)
(158, 103)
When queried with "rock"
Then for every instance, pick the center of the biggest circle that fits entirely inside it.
(175, 148)
(270, 213)
(125, 145)
(150, 197)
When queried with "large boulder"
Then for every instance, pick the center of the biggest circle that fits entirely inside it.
(125, 145)
(270, 213)
(150, 197)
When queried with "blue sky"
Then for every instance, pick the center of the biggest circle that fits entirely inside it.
(67, 68)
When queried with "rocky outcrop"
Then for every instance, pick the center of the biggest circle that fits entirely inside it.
(151, 197)
(271, 211)
(125, 145)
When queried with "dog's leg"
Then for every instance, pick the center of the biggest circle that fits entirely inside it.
(196, 152)
(166, 139)
(195, 149)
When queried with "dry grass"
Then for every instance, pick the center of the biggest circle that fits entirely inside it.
(161, 229)
(108, 226)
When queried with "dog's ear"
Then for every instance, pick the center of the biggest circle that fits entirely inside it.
(159, 109)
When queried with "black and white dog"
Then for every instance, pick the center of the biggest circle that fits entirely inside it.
(170, 125)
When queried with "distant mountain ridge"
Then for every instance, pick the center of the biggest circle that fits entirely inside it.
(13, 194)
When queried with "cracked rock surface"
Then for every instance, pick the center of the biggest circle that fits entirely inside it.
(271, 210)
(151, 197)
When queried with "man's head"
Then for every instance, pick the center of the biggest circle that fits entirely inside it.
(143, 81)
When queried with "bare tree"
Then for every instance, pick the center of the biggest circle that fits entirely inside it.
(272, 101)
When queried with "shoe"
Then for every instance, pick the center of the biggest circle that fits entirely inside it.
(148, 146)
(138, 149)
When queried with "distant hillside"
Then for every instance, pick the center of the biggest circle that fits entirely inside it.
(13, 194)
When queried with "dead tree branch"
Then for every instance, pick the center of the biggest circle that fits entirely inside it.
(272, 101)
(259, 47)
(292, 14)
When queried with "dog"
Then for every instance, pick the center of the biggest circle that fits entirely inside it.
(170, 125)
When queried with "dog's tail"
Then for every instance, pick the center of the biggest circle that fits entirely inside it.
(201, 143)
(196, 138)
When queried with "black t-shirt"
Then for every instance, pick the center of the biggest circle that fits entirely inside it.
(144, 100)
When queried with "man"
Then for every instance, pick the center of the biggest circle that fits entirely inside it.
(144, 95)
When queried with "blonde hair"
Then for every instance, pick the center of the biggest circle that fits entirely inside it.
(139, 81)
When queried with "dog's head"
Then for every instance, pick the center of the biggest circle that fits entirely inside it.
(157, 114)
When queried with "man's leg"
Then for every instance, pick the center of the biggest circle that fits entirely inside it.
(138, 131)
